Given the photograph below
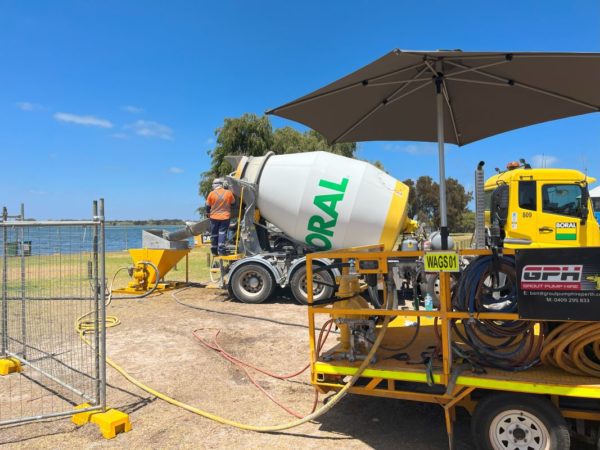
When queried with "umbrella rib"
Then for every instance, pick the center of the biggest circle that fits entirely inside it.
(467, 56)
(483, 66)
(388, 83)
(364, 82)
(433, 71)
(385, 101)
(489, 83)
(406, 94)
(451, 111)
(531, 88)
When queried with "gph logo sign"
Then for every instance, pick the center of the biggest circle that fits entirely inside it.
(555, 277)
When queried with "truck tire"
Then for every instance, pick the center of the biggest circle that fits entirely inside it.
(320, 291)
(510, 421)
(432, 286)
(251, 283)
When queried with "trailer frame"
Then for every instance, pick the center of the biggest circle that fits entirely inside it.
(450, 385)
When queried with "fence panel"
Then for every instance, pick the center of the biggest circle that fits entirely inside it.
(52, 274)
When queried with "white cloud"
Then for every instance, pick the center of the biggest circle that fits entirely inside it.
(542, 160)
(419, 148)
(132, 109)
(175, 170)
(151, 129)
(83, 120)
(120, 135)
(28, 106)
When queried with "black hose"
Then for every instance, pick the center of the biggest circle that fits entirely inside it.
(489, 284)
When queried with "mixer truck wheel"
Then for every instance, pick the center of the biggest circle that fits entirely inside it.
(433, 286)
(251, 283)
(320, 291)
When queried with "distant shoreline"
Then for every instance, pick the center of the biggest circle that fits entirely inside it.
(159, 222)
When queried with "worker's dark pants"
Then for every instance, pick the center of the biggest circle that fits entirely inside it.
(218, 236)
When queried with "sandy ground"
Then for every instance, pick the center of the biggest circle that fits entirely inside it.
(155, 344)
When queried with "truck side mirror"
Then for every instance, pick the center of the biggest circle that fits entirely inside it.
(585, 199)
(584, 214)
(499, 208)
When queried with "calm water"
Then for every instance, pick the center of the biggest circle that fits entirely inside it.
(73, 239)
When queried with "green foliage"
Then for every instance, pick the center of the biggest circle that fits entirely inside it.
(457, 200)
(247, 135)
(252, 135)
(424, 203)
(466, 223)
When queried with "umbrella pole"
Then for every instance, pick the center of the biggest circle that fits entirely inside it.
(439, 99)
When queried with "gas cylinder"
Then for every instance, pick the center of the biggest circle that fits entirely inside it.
(326, 200)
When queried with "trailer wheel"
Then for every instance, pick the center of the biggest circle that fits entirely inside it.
(320, 291)
(509, 421)
(251, 283)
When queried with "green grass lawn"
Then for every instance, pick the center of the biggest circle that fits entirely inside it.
(64, 275)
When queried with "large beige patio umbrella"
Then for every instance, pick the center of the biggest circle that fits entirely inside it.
(449, 96)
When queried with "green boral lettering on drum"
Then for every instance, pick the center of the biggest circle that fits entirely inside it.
(321, 226)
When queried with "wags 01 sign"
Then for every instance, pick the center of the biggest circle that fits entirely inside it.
(559, 284)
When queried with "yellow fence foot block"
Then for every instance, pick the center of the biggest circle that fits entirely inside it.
(111, 423)
(82, 418)
(9, 365)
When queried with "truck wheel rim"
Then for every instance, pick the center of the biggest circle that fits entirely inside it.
(518, 430)
(252, 282)
(317, 288)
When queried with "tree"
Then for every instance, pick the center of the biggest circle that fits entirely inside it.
(252, 135)
(412, 210)
(427, 200)
(457, 200)
(247, 135)
(424, 203)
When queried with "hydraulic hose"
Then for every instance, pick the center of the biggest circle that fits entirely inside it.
(489, 284)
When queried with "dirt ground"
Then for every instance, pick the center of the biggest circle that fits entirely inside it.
(155, 344)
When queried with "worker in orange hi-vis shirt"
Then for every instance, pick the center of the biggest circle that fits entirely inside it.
(218, 208)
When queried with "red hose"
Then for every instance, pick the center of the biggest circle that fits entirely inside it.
(215, 346)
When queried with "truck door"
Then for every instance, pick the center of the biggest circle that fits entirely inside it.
(559, 221)
(521, 227)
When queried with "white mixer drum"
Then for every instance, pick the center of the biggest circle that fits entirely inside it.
(326, 200)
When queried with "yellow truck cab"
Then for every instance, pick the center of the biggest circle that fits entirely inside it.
(537, 208)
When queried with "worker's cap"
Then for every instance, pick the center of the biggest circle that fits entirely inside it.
(218, 182)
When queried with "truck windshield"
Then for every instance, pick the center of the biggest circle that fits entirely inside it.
(563, 199)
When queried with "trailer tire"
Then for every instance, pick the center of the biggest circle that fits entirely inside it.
(320, 292)
(507, 421)
(251, 283)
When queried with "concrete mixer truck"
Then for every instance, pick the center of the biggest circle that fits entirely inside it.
(317, 201)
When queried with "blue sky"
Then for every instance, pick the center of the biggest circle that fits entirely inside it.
(120, 99)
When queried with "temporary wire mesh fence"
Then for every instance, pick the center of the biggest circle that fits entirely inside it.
(52, 273)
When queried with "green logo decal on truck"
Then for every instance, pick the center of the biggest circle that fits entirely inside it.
(321, 228)
(566, 231)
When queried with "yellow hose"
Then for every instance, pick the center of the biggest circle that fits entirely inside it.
(86, 326)
(569, 345)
